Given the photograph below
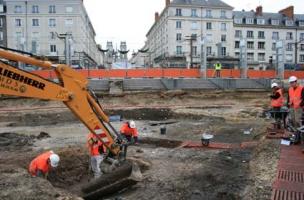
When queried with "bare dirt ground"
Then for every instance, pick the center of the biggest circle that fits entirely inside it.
(173, 172)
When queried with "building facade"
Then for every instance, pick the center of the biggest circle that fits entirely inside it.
(49, 27)
(185, 26)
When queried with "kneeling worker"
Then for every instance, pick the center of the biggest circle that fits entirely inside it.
(43, 163)
(97, 151)
(129, 130)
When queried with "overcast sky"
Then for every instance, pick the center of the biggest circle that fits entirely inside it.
(130, 20)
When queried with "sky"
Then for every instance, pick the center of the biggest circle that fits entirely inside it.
(130, 20)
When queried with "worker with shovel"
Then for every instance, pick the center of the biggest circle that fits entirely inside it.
(97, 151)
(277, 101)
(42, 164)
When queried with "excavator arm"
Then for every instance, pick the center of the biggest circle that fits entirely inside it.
(72, 90)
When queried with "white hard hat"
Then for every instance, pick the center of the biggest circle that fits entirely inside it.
(54, 159)
(274, 85)
(132, 124)
(292, 79)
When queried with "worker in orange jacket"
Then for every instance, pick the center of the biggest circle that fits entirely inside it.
(129, 131)
(277, 101)
(43, 163)
(97, 151)
(295, 101)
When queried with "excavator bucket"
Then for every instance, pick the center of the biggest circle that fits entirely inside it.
(124, 176)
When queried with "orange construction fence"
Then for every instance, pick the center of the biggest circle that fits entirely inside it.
(170, 73)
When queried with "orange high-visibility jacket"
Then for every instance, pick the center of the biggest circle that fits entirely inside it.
(40, 163)
(279, 101)
(295, 96)
(94, 148)
(126, 130)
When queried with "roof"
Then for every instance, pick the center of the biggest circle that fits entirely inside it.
(204, 3)
(266, 16)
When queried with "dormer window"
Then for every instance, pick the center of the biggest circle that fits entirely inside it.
(238, 20)
(249, 21)
(261, 21)
(275, 22)
(289, 23)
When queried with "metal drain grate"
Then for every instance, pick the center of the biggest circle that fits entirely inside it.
(286, 195)
(292, 176)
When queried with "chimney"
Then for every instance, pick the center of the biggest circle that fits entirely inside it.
(156, 16)
(167, 3)
(259, 11)
(288, 12)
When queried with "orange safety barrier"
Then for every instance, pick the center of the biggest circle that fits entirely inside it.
(170, 73)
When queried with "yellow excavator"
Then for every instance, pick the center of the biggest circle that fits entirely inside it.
(72, 89)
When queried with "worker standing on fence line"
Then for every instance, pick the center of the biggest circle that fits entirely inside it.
(277, 101)
(295, 101)
(218, 68)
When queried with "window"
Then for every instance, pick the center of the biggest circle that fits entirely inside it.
(261, 56)
(289, 58)
(18, 9)
(178, 12)
(238, 33)
(223, 26)
(237, 44)
(301, 36)
(69, 22)
(194, 26)
(261, 34)
(301, 58)
(193, 36)
(53, 48)
(18, 22)
(69, 9)
(223, 38)
(1, 35)
(178, 24)
(273, 47)
(178, 37)
(250, 56)
(34, 46)
(261, 45)
(209, 25)
(223, 51)
(223, 14)
(35, 9)
(249, 34)
(237, 54)
(18, 35)
(289, 36)
(194, 50)
(275, 22)
(301, 23)
(289, 23)
(178, 50)
(209, 51)
(261, 21)
(35, 22)
(302, 47)
(289, 47)
(250, 45)
(35, 35)
(249, 21)
(52, 22)
(238, 20)
(52, 9)
(193, 13)
(1, 22)
(52, 36)
(209, 13)
(275, 35)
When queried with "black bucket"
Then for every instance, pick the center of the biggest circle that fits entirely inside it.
(163, 130)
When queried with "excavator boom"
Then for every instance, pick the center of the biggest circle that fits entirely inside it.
(72, 90)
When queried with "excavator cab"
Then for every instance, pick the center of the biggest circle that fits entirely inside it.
(72, 89)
